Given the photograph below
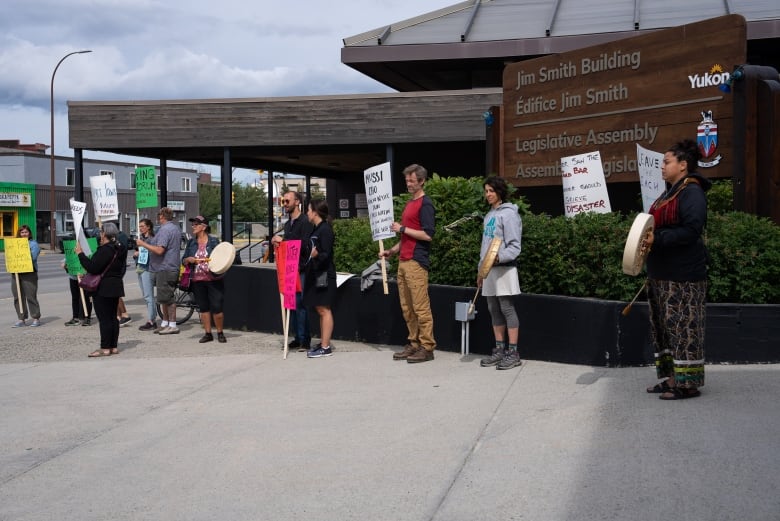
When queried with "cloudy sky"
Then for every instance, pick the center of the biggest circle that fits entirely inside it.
(162, 49)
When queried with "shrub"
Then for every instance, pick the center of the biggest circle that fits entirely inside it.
(720, 198)
(580, 256)
(744, 255)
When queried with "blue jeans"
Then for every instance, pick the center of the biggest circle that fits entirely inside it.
(299, 320)
(147, 290)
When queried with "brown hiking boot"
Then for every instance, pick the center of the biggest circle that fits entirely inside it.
(403, 355)
(420, 355)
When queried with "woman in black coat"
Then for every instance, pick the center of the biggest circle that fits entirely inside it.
(110, 258)
(320, 283)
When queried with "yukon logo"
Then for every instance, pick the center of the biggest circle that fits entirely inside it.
(714, 77)
(707, 139)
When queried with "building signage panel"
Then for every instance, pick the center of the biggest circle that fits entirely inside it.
(15, 199)
(650, 90)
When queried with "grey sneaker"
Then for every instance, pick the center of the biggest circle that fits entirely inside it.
(496, 357)
(170, 331)
(511, 359)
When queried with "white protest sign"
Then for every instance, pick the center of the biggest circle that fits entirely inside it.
(77, 210)
(651, 182)
(379, 198)
(584, 185)
(104, 198)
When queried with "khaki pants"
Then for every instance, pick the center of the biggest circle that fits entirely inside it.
(415, 303)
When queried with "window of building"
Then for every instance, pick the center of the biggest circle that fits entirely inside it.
(108, 173)
(186, 184)
(132, 180)
(70, 177)
(8, 224)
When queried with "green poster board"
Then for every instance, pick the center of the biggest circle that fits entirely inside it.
(145, 187)
(72, 263)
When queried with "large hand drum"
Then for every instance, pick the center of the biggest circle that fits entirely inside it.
(222, 258)
(490, 257)
(635, 252)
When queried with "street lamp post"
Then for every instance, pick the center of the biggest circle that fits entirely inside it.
(52, 199)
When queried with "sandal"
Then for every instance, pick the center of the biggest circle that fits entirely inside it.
(99, 352)
(114, 351)
(659, 388)
(679, 394)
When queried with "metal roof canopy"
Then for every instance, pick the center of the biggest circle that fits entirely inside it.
(468, 44)
(315, 135)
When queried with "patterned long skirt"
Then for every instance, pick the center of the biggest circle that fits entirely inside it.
(677, 313)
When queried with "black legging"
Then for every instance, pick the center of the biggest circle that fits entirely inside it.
(75, 300)
(105, 309)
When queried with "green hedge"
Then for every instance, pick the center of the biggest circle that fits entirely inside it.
(578, 257)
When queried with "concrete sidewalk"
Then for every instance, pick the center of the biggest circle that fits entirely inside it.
(175, 430)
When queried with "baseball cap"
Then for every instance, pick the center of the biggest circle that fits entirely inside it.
(199, 219)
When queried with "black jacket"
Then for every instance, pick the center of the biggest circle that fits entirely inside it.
(678, 252)
(299, 229)
(111, 285)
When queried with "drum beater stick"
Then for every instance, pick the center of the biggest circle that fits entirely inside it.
(627, 309)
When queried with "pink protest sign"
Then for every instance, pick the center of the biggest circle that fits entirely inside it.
(287, 256)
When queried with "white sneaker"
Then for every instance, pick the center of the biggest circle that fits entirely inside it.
(19, 323)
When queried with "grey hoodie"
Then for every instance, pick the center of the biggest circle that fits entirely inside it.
(504, 222)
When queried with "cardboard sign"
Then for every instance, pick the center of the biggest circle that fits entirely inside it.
(650, 179)
(77, 210)
(18, 258)
(72, 263)
(379, 198)
(104, 198)
(145, 187)
(584, 186)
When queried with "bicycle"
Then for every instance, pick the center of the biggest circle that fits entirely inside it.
(185, 305)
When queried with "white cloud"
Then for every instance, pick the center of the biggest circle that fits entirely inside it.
(155, 49)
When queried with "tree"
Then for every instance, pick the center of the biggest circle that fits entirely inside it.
(249, 202)
(210, 203)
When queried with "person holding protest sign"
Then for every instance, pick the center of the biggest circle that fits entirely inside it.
(27, 303)
(164, 262)
(299, 228)
(123, 316)
(110, 260)
(75, 301)
(416, 228)
(502, 283)
(320, 279)
(677, 275)
(207, 288)
(145, 279)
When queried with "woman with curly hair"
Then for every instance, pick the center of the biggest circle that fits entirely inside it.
(677, 275)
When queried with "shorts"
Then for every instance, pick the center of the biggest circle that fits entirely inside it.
(165, 282)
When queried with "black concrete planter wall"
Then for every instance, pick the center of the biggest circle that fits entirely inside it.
(552, 328)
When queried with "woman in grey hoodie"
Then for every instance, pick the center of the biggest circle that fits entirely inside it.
(502, 283)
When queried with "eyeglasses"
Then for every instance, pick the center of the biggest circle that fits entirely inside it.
(286, 201)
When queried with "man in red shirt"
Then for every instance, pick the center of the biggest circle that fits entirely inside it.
(416, 229)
